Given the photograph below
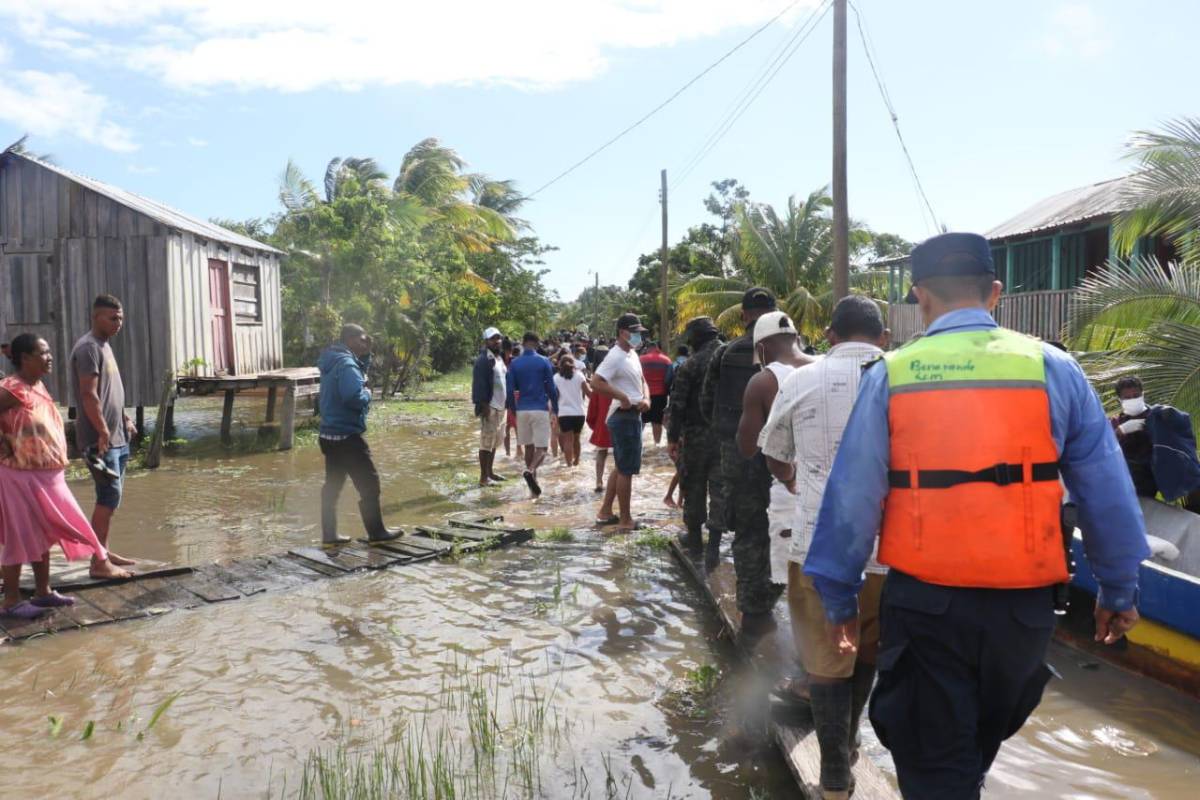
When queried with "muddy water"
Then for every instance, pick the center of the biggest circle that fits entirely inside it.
(612, 627)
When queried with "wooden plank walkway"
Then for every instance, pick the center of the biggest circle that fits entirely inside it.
(160, 588)
(774, 655)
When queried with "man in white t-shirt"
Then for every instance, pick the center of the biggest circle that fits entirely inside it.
(800, 440)
(620, 377)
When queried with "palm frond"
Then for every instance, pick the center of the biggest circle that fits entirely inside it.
(296, 192)
(1127, 297)
(1164, 194)
(1167, 359)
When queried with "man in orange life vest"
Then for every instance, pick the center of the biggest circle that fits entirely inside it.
(953, 454)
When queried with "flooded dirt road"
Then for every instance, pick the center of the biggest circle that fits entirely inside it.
(606, 628)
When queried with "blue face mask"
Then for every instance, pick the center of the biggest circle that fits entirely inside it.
(635, 340)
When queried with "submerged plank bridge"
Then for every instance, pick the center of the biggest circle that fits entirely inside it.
(774, 656)
(166, 588)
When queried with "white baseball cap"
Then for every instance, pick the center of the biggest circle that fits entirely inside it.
(491, 332)
(773, 324)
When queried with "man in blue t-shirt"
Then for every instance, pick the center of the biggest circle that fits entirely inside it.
(533, 396)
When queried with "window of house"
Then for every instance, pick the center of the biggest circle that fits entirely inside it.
(247, 293)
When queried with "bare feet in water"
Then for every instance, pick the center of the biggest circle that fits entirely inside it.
(109, 570)
(669, 502)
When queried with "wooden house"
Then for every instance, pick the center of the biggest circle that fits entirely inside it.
(197, 297)
(1042, 255)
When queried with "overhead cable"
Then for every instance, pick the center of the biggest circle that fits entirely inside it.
(754, 89)
(891, 109)
(663, 104)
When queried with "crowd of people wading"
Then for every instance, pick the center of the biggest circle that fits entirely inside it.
(906, 503)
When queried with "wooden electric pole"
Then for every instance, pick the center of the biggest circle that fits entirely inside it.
(841, 207)
(664, 333)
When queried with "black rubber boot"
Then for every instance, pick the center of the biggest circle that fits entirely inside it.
(372, 517)
(831, 706)
(693, 542)
(712, 552)
(329, 534)
(861, 683)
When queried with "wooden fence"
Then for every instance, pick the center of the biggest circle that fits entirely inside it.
(1040, 314)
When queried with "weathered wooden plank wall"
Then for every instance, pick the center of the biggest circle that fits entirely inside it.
(66, 243)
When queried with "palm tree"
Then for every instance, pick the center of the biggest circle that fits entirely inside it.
(1135, 317)
(1139, 315)
(1164, 194)
(431, 174)
(790, 254)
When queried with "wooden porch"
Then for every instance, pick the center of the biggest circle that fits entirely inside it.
(293, 384)
(1040, 314)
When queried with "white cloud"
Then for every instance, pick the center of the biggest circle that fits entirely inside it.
(53, 104)
(1076, 29)
(4, 52)
(196, 142)
(297, 45)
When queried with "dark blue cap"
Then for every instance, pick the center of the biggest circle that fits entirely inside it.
(952, 254)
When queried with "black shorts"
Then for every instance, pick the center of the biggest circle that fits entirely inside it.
(570, 424)
(658, 404)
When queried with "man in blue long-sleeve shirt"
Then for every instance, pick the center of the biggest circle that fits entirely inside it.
(344, 402)
(533, 396)
(952, 454)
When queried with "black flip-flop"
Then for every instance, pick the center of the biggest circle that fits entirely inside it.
(613, 520)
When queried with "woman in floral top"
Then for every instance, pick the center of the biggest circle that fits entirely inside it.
(37, 510)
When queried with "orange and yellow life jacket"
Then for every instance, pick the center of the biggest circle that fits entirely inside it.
(974, 496)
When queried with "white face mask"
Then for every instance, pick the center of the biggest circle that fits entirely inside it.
(635, 340)
(1134, 407)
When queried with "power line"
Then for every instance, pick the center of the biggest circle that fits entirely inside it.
(891, 109)
(755, 89)
(663, 104)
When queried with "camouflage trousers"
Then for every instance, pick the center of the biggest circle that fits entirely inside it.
(700, 481)
(748, 494)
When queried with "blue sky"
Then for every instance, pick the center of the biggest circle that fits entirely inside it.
(200, 103)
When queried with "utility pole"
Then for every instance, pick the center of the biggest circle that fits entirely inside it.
(665, 324)
(841, 207)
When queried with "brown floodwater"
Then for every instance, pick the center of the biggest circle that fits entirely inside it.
(604, 629)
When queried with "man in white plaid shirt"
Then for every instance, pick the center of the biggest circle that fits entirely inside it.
(800, 440)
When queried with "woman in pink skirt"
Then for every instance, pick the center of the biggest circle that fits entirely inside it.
(37, 510)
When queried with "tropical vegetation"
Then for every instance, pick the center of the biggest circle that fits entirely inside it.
(789, 252)
(424, 260)
(1140, 315)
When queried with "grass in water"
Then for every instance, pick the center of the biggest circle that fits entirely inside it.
(654, 540)
(491, 733)
(560, 534)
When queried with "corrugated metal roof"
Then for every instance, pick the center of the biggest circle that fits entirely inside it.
(1066, 208)
(154, 209)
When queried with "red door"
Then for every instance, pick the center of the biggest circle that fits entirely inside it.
(218, 303)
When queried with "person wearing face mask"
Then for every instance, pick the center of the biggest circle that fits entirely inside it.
(1159, 446)
(620, 377)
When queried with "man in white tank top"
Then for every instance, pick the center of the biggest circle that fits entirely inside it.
(777, 345)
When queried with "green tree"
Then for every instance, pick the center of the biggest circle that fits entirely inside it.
(791, 254)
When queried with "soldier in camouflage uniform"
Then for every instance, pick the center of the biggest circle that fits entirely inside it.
(743, 480)
(692, 443)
